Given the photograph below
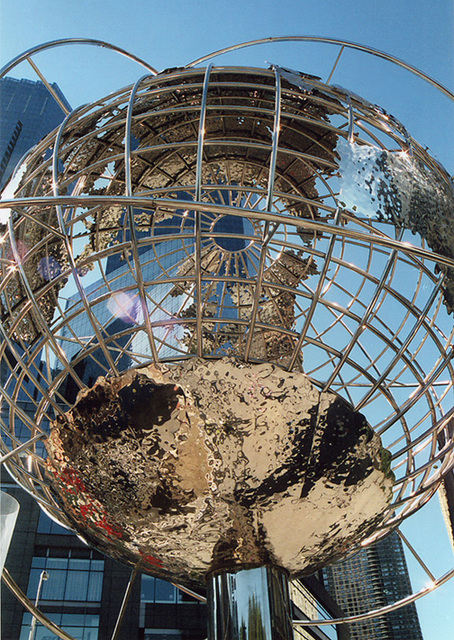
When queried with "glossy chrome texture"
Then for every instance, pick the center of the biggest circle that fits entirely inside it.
(343, 44)
(27, 55)
(199, 467)
(249, 604)
(394, 366)
(348, 294)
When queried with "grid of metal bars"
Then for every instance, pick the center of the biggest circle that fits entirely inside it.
(145, 177)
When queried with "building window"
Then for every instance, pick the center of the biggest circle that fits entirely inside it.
(162, 634)
(156, 590)
(75, 575)
(159, 591)
(47, 525)
(81, 626)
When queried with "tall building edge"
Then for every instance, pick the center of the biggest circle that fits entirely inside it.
(375, 577)
(28, 112)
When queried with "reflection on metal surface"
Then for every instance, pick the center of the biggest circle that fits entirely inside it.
(250, 604)
(276, 309)
(138, 237)
(397, 188)
(200, 467)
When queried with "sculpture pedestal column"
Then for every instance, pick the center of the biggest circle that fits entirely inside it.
(250, 604)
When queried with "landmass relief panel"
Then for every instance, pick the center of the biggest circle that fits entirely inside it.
(197, 467)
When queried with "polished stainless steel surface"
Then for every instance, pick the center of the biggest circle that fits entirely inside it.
(343, 44)
(193, 468)
(303, 265)
(129, 214)
(27, 55)
(251, 604)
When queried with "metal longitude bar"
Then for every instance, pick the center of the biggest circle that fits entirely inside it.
(269, 202)
(32, 377)
(124, 603)
(316, 296)
(335, 64)
(405, 344)
(37, 497)
(132, 226)
(40, 223)
(423, 389)
(364, 319)
(39, 319)
(71, 260)
(189, 592)
(351, 122)
(197, 220)
(48, 86)
(20, 595)
(23, 446)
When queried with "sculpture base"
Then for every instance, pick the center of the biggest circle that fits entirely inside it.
(250, 604)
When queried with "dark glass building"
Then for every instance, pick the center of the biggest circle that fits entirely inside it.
(375, 577)
(84, 590)
(28, 113)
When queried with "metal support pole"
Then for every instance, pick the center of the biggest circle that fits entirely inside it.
(250, 604)
(39, 615)
(22, 447)
(43, 576)
(124, 604)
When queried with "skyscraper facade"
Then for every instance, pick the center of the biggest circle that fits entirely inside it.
(375, 577)
(84, 589)
(28, 113)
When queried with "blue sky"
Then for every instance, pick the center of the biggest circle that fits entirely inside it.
(174, 32)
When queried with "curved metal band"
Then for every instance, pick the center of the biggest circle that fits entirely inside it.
(20, 595)
(370, 307)
(303, 223)
(267, 233)
(22, 447)
(197, 219)
(376, 613)
(72, 262)
(335, 41)
(64, 41)
(132, 225)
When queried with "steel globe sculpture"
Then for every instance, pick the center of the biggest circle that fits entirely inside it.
(226, 303)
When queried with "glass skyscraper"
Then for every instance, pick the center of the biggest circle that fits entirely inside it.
(375, 577)
(28, 113)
